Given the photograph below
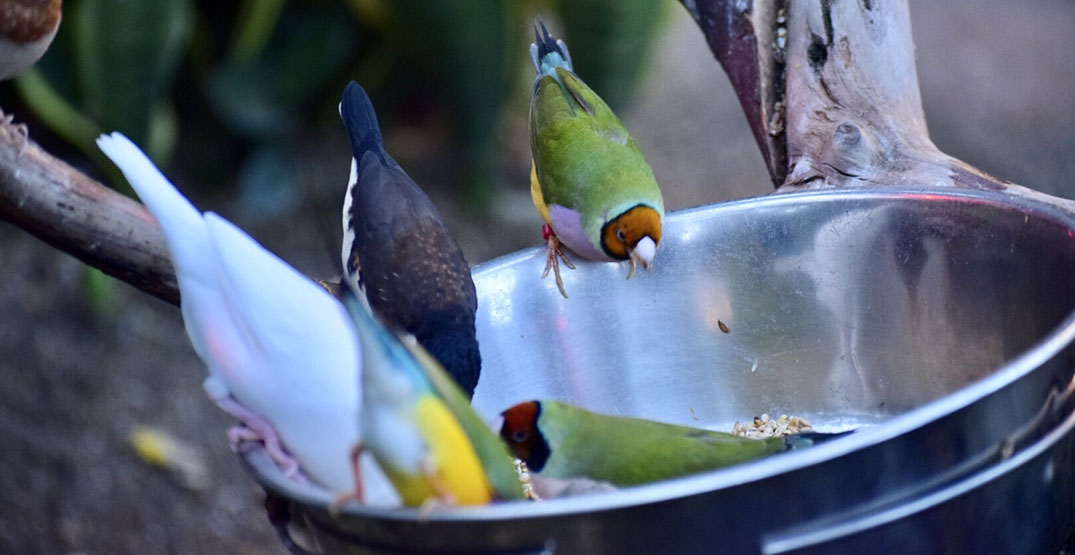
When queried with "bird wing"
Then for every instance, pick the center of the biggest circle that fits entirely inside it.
(585, 157)
(491, 450)
(285, 318)
(410, 265)
(301, 371)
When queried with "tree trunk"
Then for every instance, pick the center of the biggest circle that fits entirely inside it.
(830, 91)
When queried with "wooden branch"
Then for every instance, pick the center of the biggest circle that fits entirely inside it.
(850, 113)
(74, 213)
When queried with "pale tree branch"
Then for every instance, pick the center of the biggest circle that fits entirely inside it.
(831, 92)
(74, 213)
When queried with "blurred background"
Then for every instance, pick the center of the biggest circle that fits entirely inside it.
(237, 103)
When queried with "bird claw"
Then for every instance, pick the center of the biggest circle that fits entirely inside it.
(21, 131)
(288, 465)
(341, 501)
(635, 261)
(357, 495)
(256, 429)
(443, 496)
(552, 262)
(433, 504)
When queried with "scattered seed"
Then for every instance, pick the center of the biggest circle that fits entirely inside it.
(763, 426)
(524, 478)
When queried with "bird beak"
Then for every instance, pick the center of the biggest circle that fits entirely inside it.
(644, 251)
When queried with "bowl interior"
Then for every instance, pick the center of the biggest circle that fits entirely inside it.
(843, 307)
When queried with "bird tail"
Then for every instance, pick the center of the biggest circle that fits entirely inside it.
(182, 224)
(548, 52)
(803, 440)
(361, 122)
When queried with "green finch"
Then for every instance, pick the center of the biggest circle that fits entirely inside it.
(589, 180)
(558, 440)
(420, 427)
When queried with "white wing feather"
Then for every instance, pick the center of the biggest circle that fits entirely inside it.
(280, 344)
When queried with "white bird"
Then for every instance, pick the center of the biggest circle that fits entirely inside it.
(282, 353)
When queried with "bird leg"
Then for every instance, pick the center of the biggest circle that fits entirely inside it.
(554, 256)
(632, 272)
(256, 429)
(356, 495)
(444, 496)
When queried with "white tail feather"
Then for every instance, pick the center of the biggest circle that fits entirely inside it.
(181, 223)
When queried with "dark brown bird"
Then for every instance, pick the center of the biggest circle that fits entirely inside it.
(27, 27)
(397, 250)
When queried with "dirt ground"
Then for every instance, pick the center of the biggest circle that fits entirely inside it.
(997, 85)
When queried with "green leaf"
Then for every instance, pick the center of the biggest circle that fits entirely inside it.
(99, 292)
(126, 56)
(54, 111)
(611, 42)
(268, 94)
(257, 20)
(471, 52)
(62, 118)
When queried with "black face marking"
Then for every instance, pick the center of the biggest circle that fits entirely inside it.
(523, 436)
(613, 251)
(539, 454)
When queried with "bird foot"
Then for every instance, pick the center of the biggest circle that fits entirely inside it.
(357, 495)
(23, 132)
(552, 262)
(429, 506)
(239, 435)
(443, 498)
(258, 429)
(632, 272)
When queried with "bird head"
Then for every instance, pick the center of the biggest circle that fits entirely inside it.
(634, 234)
(520, 431)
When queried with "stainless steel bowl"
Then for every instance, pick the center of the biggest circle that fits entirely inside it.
(937, 322)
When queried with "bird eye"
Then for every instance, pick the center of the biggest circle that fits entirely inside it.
(520, 436)
(621, 234)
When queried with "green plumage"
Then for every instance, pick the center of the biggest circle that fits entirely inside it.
(409, 359)
(630, 451)
(613, 41)
(586, 160)
(491, 450)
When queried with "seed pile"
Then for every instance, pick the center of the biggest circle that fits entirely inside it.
(763, 426)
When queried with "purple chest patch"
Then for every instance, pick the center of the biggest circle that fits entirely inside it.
(567, 224)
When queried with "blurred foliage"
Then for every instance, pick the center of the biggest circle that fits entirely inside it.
(231, 89)
(611, 43)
